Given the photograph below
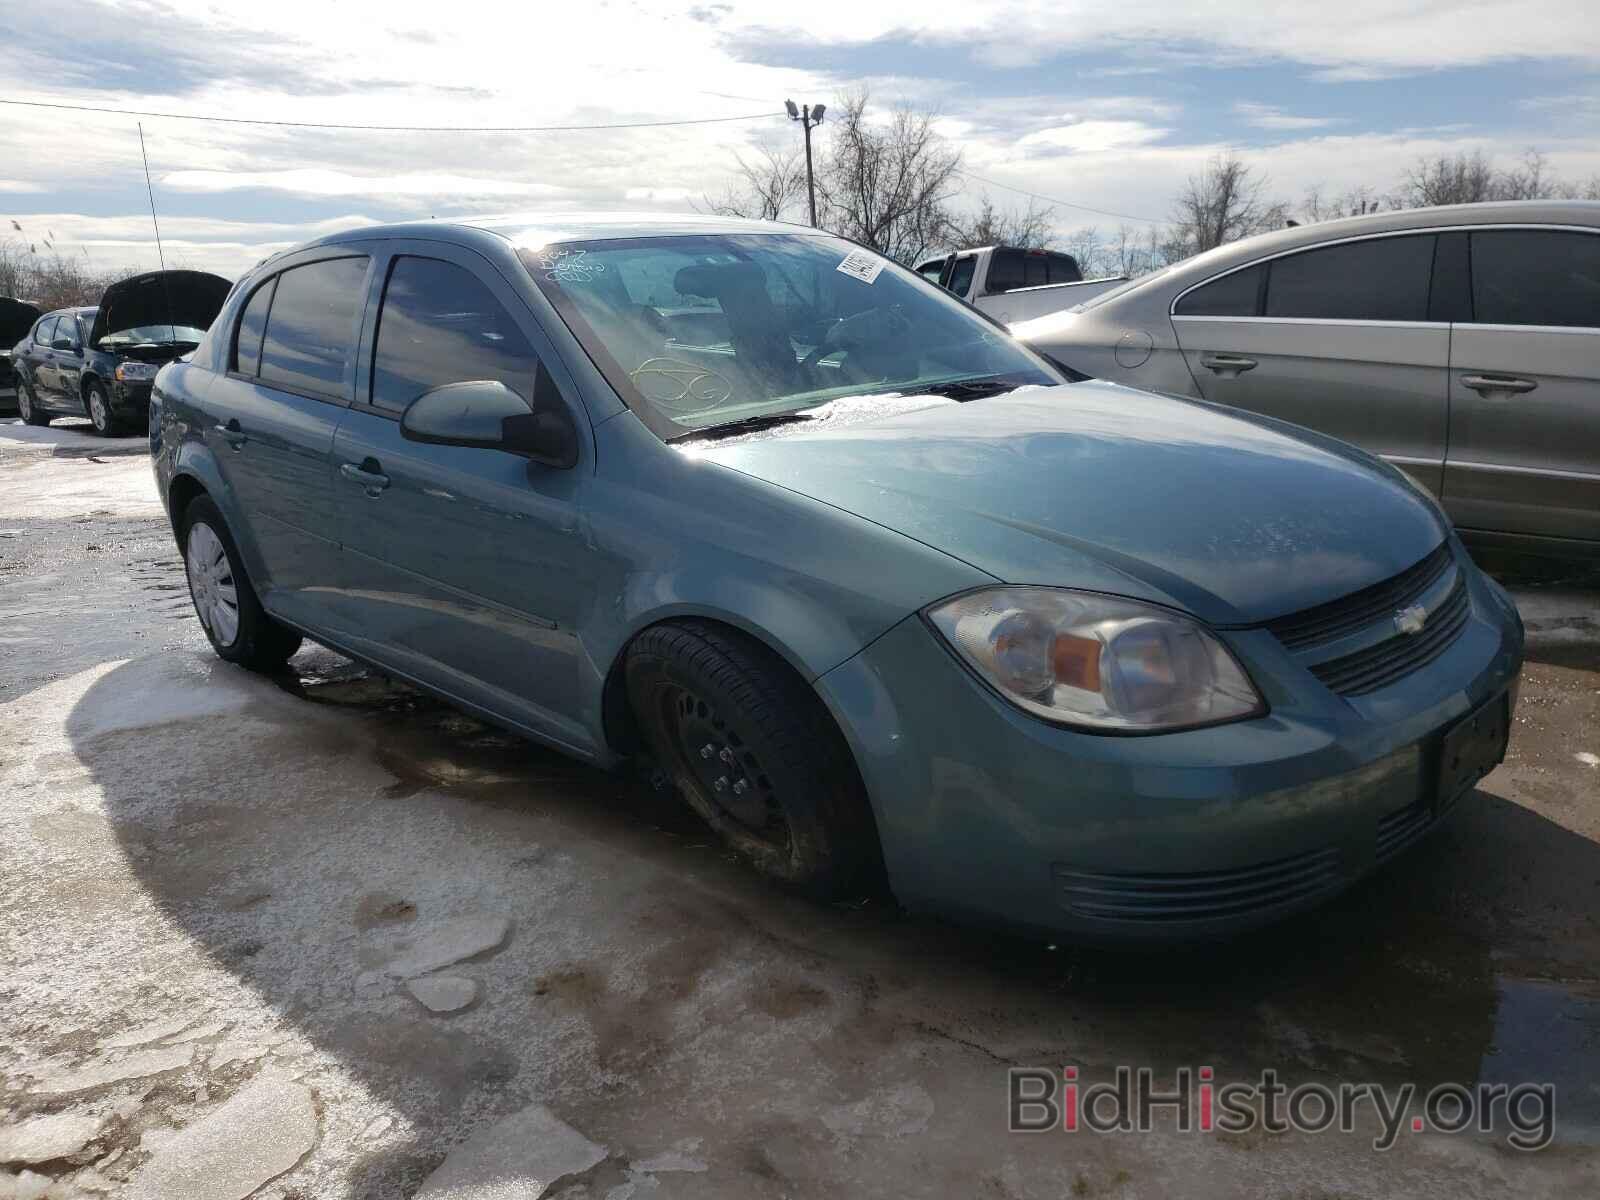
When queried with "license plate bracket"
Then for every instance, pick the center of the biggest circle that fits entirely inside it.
(1471, 748)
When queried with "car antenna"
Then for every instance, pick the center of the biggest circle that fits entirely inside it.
(172, 329)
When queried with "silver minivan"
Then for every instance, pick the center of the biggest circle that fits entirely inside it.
(1460, 343)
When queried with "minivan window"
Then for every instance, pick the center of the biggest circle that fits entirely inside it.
(1380, 279)
(1536, 277)
(440, 324)
(1235, 295)
(310, 341)
(252, 324)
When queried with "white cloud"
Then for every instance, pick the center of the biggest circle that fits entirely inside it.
(1093, 137)
(1270, 116)
(324, 182)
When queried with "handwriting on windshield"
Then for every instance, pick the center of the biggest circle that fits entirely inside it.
(680, 386)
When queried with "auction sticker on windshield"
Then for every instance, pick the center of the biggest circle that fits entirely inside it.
(862, 265)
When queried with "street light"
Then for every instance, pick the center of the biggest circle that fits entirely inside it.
(809, 116)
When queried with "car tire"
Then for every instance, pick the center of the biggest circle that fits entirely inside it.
(754, 752)
(28, 405)
(98, 405)
(234, 621)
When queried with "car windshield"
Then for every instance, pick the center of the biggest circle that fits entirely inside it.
(706, 330)
(156, 334)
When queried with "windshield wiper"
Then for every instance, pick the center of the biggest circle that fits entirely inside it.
(743, 425)
(972, 389)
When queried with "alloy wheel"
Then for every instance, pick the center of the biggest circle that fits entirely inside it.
(211, 583)
(24, 404)
(98, 412)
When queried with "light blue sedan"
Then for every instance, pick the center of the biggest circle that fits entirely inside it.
(857, 570)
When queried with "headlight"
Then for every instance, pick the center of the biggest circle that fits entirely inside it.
(136, 372)
(1100, 662)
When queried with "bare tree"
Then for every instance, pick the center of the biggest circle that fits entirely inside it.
(1225, 202)
(53, 279)
(887, 185)
(1450, 179)
(1356, 202)
(1134, 252)
(1032, 228)
(769, 187)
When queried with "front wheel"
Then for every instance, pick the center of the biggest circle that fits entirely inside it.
(28, 405)
(99, 407)
(755, 753)
(238, 627)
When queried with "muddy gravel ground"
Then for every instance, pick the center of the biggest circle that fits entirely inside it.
(320, 936)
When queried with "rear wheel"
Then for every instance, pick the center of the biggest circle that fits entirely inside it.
(28, 404)
(239, 629)
(755, 753)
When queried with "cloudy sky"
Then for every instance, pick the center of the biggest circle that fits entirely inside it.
(1106, 105)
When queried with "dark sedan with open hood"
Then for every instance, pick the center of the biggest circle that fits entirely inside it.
(100, 362)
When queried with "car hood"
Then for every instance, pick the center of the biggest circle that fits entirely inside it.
(16, 318)
(160, 298)
(1237, 520)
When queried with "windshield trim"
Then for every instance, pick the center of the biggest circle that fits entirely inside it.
(663, 426)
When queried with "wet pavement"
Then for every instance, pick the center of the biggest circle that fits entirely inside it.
(247, 871)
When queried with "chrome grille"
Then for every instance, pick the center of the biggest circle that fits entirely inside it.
(1350, 613)
(1201, 896)
(1380, 665)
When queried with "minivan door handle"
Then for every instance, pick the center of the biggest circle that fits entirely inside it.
(232, 433)
(1488, 386)
(369, 474)
(1229, 366)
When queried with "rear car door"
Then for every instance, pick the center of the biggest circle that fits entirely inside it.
(465, 567)
(1338, 338)
(271, 419)
(1524, 454)
(39, 361)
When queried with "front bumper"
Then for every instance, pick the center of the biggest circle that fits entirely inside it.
(130, 399)
(987, 813)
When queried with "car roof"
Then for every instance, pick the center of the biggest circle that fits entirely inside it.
(79, 311)
(1263, 245)
(541, 228)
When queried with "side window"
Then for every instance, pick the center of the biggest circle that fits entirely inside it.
(44, 333)
(1536, 277)
(961, 275)
(1235, 295)
(440, 324)
(1381, 279)
(1035, 269)
(1064, 268)
(310, 343)
(1006, 271)
(252, 324)
(67, 329)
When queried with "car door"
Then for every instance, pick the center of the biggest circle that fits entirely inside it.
(270, 422)
(465, 567)
(40, 359)
(1524, 455)
(1338, 338)
(68, 366)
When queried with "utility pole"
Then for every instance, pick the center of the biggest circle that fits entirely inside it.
(809, 116)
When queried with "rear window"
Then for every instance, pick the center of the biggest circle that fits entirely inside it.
(1536, 277)
(44, 331)
(310, 343)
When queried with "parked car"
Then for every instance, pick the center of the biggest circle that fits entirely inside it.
(16, 318)
(99, 362)
(1461, 344)
(1012, 284)
(851, 564)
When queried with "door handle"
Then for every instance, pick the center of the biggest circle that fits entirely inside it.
(1229, 366)
(1488, 385)
(232, 434)
(368, 474)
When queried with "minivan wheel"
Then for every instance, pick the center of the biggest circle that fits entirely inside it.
(755, 753)
(100, 411)
(239, 629)
(28, 405)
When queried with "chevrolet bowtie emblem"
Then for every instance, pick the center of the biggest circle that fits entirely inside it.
(1410, 620)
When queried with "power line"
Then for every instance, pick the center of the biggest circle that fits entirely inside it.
(1063, 203)
(169, 116)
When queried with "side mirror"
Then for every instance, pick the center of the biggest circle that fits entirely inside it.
(486, 414)
(62, 344)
